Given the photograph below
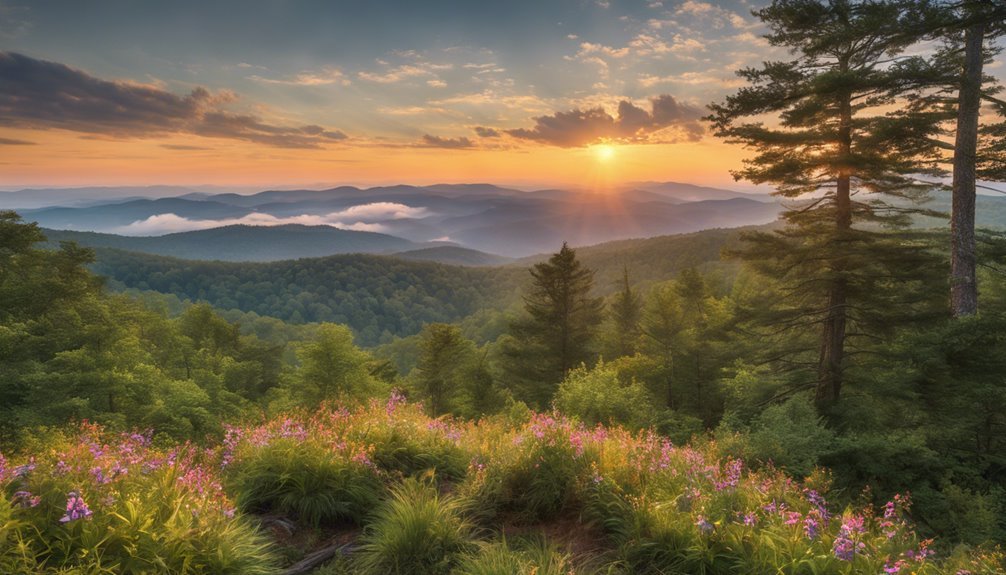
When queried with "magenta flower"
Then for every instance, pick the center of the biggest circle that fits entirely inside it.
(76, 508)
(26, 499)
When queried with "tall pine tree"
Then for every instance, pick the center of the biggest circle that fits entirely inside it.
(558, 330)
(837, 149)
(955, 86)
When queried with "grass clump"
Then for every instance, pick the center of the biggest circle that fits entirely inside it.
(416, 531)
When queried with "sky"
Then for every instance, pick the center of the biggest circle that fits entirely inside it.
(531, 93)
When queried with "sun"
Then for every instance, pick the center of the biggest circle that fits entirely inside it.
(604, 152)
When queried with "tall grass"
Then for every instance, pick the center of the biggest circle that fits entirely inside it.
(416, 531)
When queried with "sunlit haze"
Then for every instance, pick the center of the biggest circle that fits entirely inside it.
(269, 93)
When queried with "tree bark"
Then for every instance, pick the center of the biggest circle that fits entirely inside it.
(829, 382)
(963, 260)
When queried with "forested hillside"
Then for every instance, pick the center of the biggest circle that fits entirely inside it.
(382, 297)
(245, 243)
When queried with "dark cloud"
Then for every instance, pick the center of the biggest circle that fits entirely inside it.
(484, 132)
(451, 143)
(39, 94)
(633, 124)
(13, 142)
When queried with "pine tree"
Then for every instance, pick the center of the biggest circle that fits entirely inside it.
(441, 353)
(558, 330)
(834, 141)
(957, 87)
(626, 311)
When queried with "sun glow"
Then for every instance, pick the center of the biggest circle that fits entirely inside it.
(604, 152)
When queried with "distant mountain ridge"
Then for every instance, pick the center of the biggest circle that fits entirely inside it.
(240, 243)
(482, 217)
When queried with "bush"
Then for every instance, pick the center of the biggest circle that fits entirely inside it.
(304, 481)
(597, 396)
(95, 503)
(533, 472)
(416, 531)
(790, 435)
(533, 555)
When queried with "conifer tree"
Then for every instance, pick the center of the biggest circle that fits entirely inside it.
(441, 349)
(626, 311)
(835, 148)
(558, 330)
(957, 88)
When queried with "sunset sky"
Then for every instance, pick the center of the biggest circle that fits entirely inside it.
(314, 92)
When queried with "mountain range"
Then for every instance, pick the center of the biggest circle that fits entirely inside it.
(283, 224)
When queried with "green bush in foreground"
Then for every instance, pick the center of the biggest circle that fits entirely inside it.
(416, 531)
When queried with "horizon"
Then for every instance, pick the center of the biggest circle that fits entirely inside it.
(586, 94)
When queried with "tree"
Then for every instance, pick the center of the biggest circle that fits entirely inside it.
(835, 138)
(967, 28)
(332, 367)
(442, 355)
(558, 329)
(626, 310)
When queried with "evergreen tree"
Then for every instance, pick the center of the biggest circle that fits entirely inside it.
(957, 87)
(626, 310)
(835, 140)
(442, 352)
(557, 333)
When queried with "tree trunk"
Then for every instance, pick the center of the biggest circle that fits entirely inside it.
(963, 281)
(829, 378)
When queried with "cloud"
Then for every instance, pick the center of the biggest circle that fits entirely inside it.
(13, 142)
(42, 95)
(183, 147)
(450, 143)
(308, 78)
(483, 132)
(404, 72)
(633, 124)
(365, 217)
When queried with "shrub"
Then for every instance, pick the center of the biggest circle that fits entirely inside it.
(305, 481)
(95, 503)
(532, 555)
(532, 472)
(597, 396)
(415, 531)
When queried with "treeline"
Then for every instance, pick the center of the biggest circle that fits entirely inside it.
(378, 297)
(382, 297)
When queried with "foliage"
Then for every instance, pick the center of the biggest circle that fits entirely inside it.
(378, 297)
(93, 502)
(598, 396)
(523, 556)
(843, 146)
(558, 328)
(416, 531)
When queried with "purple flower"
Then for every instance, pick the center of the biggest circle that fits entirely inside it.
(811, 526)
(895, 568)
(704, 526)
(76, 508)
(26, 499)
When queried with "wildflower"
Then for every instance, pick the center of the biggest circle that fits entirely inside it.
(26, 499)
(750, 519)
(811, 526)
(895, 568)
(732, 476)
(394, 400)
(76, 508)
(845, 545)
(704, 526)
(22, 471)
